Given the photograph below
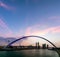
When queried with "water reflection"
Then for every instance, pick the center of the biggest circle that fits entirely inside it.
(29, 53)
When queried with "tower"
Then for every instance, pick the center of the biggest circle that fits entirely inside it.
(37, 45)
(47, 46)
(44, 46)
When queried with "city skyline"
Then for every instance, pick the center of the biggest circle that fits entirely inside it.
(30, 17)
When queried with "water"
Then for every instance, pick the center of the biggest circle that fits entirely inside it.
(29, 53)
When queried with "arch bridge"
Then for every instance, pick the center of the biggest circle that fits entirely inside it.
(24, 37)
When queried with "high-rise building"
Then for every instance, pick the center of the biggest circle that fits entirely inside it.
(44, 46)
(37, 45)
(47, 46)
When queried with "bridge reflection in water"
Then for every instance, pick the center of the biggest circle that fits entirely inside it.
(37, 37)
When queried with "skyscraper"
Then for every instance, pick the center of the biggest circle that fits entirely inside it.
(44, 46)
(37, 45)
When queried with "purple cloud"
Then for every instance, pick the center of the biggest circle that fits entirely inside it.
(55, 18)
(4, 26)
(6, 6)
(52, 30)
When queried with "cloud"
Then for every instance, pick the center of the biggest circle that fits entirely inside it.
(36, 31)
(55, 18)
(28, 31)
(55, 29)
(6, 6)
(4, 26)
(32, 30)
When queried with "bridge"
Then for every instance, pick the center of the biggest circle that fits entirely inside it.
(24, 37)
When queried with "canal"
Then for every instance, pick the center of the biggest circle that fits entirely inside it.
(29, 53)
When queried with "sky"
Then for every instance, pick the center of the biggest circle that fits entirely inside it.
(30, 17)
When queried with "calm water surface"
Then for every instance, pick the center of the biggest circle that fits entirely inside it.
(29, 53)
